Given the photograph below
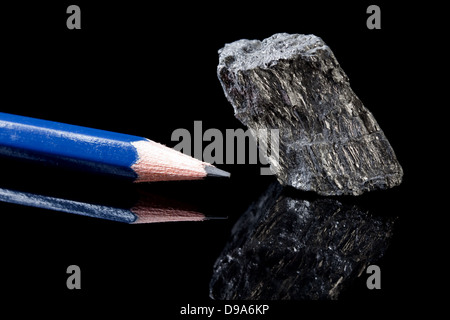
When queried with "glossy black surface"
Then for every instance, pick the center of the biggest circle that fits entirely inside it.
(159, 64)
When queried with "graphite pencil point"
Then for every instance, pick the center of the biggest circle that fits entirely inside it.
(212, 171)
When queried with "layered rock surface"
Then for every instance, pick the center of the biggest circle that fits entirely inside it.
(328, 141)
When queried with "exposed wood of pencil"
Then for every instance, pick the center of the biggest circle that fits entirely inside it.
(157, 162)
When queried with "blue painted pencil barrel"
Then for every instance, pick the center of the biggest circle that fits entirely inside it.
(68, 145)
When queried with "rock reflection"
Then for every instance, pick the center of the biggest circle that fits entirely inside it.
(286, 248)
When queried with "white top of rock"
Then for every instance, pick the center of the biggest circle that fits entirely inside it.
(248, 54)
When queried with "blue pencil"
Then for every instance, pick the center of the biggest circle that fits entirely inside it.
(100, 151)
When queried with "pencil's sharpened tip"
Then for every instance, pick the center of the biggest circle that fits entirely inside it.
(212, 171)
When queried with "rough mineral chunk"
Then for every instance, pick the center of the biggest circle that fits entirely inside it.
(328, 141)
(285, 248)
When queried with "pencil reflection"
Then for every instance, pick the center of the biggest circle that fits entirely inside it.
(288, 248)
(146, 207)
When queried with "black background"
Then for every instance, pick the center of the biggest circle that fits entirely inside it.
(149, 69)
